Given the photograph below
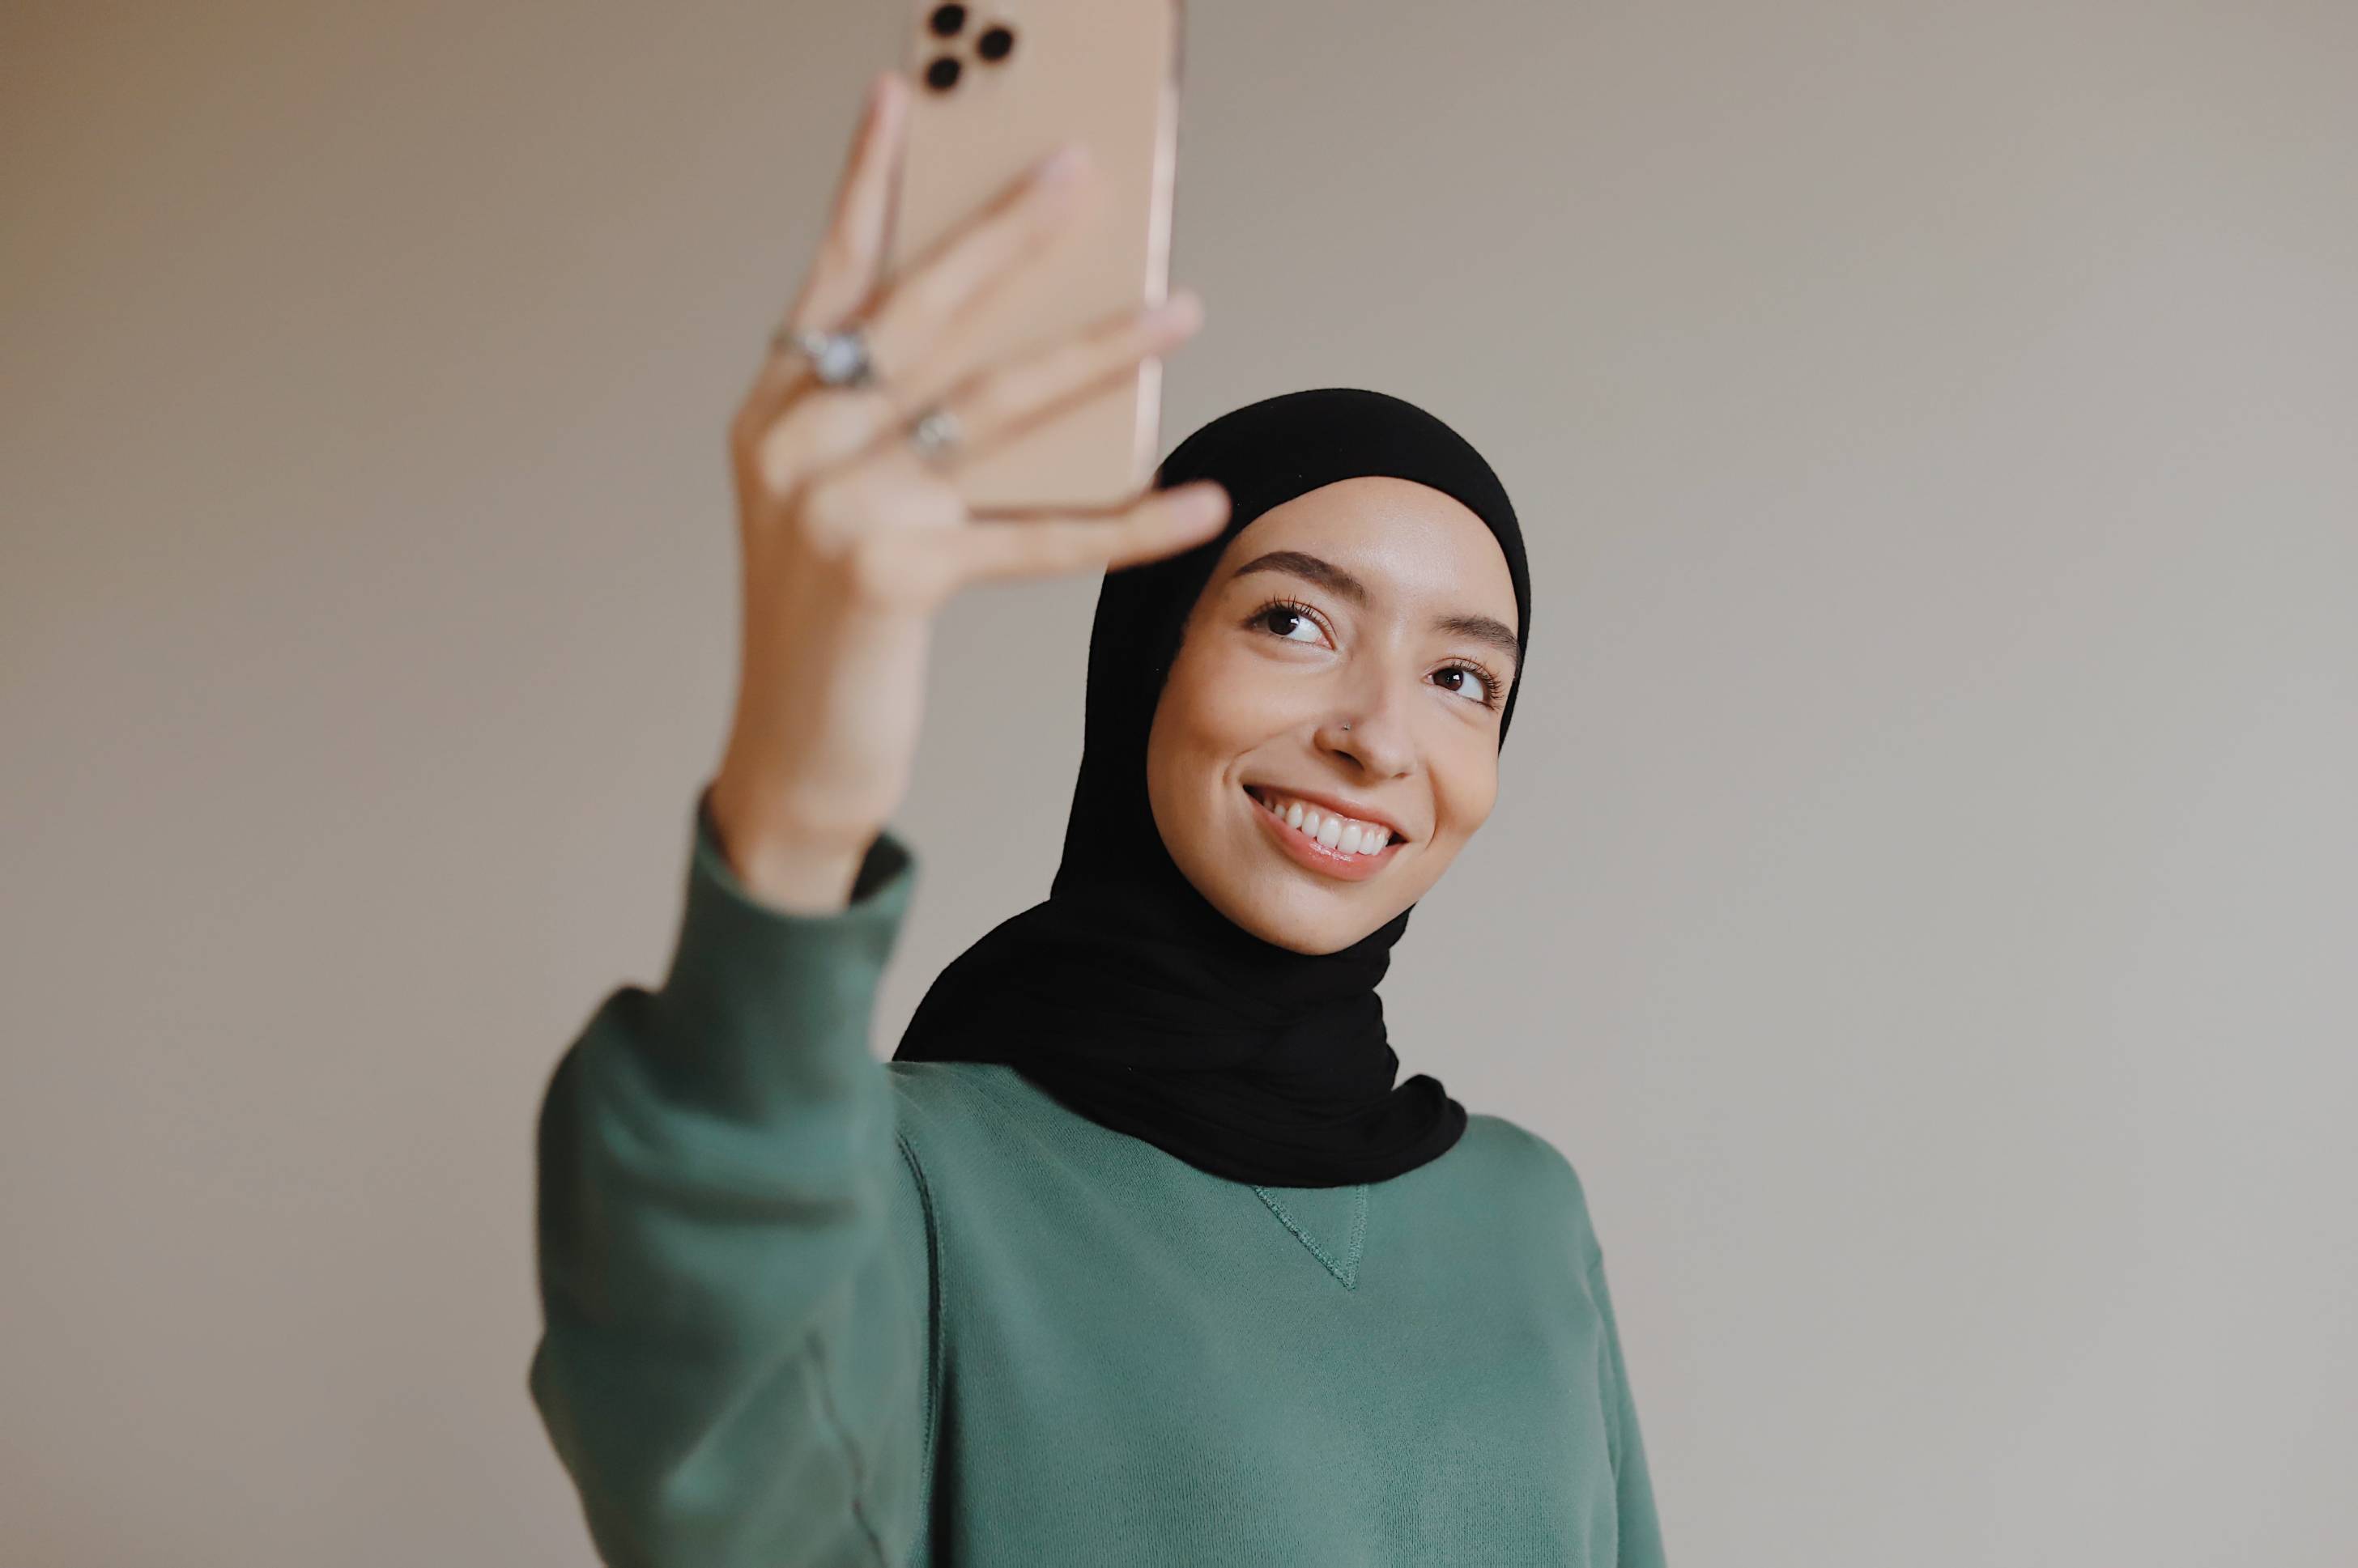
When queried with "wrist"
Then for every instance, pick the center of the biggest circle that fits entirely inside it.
(793, 865)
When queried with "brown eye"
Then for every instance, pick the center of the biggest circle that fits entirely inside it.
(1287, 613)
(1482, 688)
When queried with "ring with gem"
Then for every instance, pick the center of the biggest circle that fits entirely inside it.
(838, 359)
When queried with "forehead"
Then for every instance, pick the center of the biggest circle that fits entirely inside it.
(1411, 545)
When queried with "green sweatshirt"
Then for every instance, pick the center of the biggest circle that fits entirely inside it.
(806, 1308)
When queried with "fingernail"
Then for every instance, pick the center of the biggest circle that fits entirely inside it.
(1202, 503)
(1182, 309)
(1061, 166)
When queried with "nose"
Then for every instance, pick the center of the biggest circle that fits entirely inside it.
(1373, 733)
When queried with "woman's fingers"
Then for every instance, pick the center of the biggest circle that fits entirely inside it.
(921, 309)
(844, 273)
(1159, 523)
(997, 404)
(788, 433)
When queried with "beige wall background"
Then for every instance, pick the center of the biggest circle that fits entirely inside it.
(1923, 899)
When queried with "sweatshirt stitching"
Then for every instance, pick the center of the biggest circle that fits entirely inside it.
(1348, 1273)
(933, 1324)
(1608, 1353)
(851, 1448)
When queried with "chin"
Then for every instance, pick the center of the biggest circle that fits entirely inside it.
(1294, 939)
(1282, 922)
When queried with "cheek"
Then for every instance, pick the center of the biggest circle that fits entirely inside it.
(1465, 786)
(1220, 706)
(1194, 739)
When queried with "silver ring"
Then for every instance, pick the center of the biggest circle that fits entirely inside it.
(934, 433)
(838, 359)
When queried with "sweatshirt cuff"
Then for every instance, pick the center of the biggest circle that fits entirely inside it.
(884, 879)
(762, 1000)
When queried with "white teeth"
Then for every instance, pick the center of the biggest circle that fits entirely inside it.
(1333, 832)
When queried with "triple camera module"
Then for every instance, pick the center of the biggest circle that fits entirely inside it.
(992, 44)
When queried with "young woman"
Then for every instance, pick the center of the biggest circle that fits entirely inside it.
(1137, 1252)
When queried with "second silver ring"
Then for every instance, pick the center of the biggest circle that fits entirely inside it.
(936, 433)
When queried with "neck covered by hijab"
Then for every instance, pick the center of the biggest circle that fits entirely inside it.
(1126, 994)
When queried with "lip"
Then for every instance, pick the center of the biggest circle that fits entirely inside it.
(1310, 852)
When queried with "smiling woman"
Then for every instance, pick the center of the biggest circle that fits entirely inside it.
(1199, 976)
(1139, 1251)
(1380, 702)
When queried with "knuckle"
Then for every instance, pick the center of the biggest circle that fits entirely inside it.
(831, 510)
(778, 454)
(816, 428)
(868, 570)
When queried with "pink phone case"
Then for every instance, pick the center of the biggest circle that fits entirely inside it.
(997, 86)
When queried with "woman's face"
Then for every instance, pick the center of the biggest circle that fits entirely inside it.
(1377, 603)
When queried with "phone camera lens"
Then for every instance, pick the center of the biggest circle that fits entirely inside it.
(995, 44)
(946, 20)
(943, 74)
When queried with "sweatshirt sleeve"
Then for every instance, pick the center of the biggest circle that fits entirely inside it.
(734, 1265)
(1640, 1530)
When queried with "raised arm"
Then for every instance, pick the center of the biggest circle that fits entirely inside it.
(733, 1261)
(734, 1256)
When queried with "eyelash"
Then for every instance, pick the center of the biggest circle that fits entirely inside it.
(1492, 688)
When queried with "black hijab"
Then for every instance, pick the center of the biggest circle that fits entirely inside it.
(1126, 994)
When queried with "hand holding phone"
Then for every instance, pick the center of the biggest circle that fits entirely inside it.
(852, 536)
(997, 86)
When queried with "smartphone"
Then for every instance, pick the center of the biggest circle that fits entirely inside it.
(999, 85)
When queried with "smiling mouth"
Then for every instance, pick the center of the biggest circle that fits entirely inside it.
(1313, 833)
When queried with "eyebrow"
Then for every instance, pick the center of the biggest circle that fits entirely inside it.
(1482, 629)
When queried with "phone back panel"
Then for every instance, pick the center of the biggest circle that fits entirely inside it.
(1103, 72)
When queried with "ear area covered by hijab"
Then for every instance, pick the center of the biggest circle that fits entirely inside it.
(1125, 994)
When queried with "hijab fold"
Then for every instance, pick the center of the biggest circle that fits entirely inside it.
(1126, 994)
